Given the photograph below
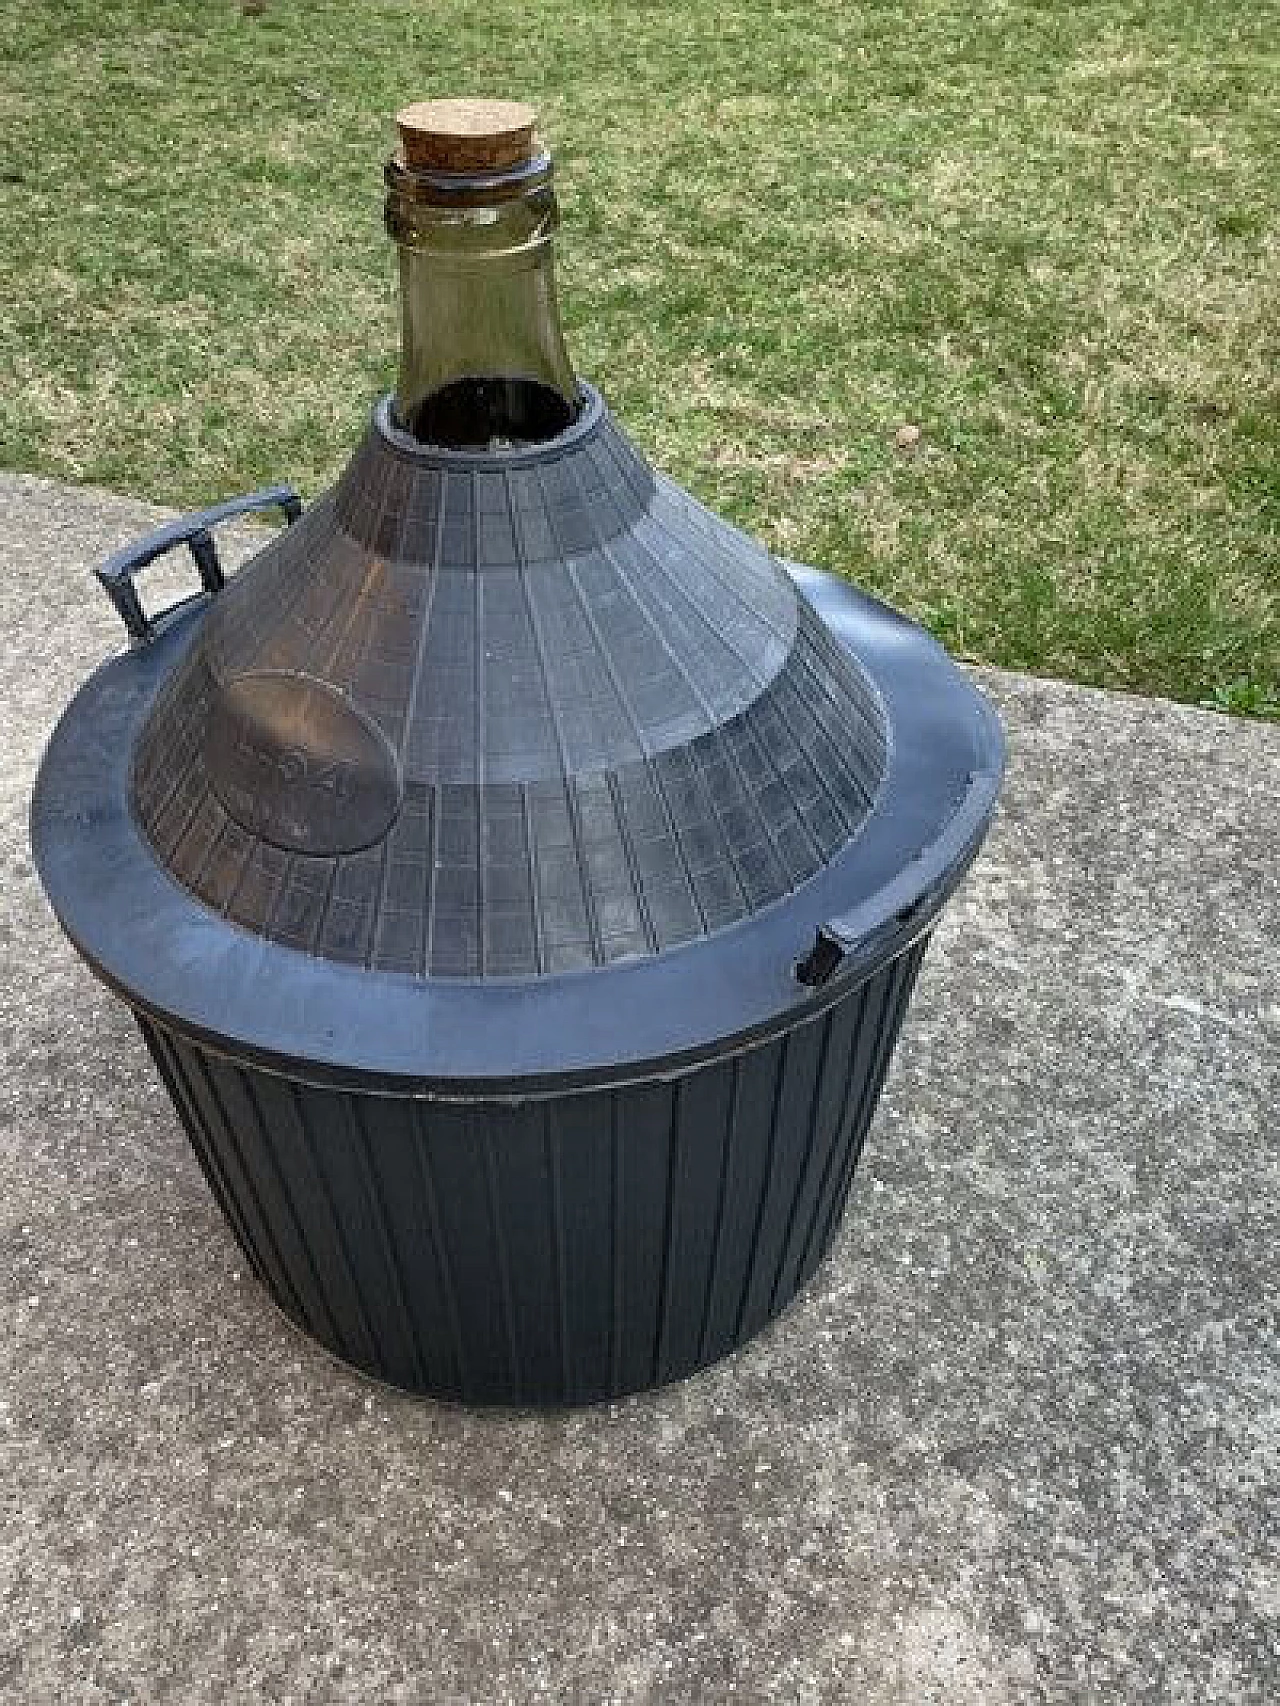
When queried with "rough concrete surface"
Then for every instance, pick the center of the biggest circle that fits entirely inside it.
(1017, 1443)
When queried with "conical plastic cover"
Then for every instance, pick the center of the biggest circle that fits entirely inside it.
(505, 714)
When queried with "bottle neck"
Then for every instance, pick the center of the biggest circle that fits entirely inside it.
(482, 355)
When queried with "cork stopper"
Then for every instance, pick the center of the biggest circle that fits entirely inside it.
(467, 135)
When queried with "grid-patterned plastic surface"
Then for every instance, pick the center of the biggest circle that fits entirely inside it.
(614, 725)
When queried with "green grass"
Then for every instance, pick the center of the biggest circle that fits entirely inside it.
(1045, 233)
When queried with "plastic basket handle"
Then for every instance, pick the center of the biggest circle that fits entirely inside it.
(196, 532)
(890, 920)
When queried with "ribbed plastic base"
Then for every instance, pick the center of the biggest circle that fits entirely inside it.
(556, 1251)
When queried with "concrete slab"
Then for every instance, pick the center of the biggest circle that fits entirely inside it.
(1019, 1441)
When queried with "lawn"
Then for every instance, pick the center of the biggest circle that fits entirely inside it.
(1045, 234)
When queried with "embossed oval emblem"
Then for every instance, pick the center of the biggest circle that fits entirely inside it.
(297, 765)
